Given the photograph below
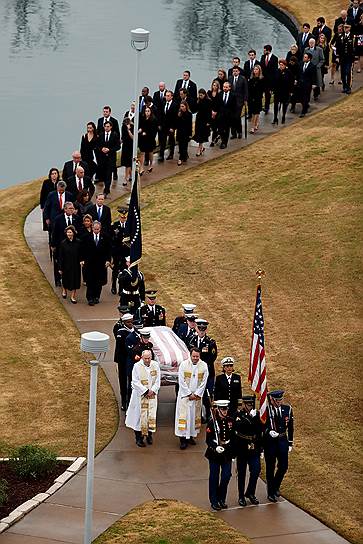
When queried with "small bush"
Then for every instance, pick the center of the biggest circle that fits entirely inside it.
(32, 461)
(3, 491)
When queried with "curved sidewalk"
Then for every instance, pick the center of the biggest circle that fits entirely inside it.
(125, 475)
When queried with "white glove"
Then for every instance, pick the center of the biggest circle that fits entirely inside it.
(262, 455)
(219, 449)
(274, 434)
(290, 449)
(253, 412)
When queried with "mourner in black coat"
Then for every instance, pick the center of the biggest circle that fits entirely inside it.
(101, 213)
(89, 148)
(69, 168)
(239, 88)
(184, 131)
(63, 220)
(284, 86)
(226, 111)
(250, 64)
(269, 64)
(108, 144)
(79, 182)
(306, 79)
(189, 85)
(97, 258)
(48, 185)
(167, 123)
(55, 202)
(70, 257)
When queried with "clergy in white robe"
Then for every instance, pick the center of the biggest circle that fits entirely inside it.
(193, 375)
(141, 413)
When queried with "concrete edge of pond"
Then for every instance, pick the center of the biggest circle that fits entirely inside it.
(281, 14)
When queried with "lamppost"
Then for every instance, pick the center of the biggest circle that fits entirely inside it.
(95, 344)
(139, 42)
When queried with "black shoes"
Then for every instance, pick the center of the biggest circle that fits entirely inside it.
(149, 439)
(140, 442)
(275, 121)
(223, 505)
(96, 301)
(272, 498)
(91, 303)
(191, 441)
(242, 502)
(183, 443)
(161, 159)
(215, 507)
(222, 146)
(277, 493)
(233, 137)
(253, 499)
(113, 290)
(239, 136)
(169, 158)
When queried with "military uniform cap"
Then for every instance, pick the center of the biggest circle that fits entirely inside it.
(145, 332)
(277, 394)
(151, 293)
(227, 361)
(249, 399)
(221, 403)
(202, 323)
(191, 317)
(127, 317)
(122, 209)
(138, 324)
(188, 308)
(123, 308)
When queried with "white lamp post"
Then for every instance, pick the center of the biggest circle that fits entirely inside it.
(96, 344)
(139, 42)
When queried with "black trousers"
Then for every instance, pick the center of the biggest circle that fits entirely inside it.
(268, 93)
(105, 173)
(166, 138)
(122, 380)
(94, 289)
(183, 149)
(119, 264)
(277, 104)
(223, 129)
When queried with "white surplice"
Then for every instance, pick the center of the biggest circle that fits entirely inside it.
(139, 372)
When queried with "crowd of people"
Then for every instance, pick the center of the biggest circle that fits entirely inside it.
(84, 243)
(234, 429)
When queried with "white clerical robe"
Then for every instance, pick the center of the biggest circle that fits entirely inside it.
(192, 379)
(141, 374)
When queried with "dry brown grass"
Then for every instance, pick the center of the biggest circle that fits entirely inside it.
(310, 10)
(294, 210)
(43, 379)
(170, 522)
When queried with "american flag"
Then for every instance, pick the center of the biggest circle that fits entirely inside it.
(257, 370)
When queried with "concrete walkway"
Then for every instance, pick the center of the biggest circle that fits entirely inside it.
(125, 475)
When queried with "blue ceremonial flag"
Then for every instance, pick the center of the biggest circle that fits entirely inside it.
(133, 227)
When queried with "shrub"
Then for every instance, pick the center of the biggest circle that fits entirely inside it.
(3, 491)
(31, 461)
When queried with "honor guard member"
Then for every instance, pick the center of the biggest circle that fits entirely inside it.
(247, 445)
(131, 340)
(117, 326)
(131, 290)
(278, 439)
(219, 435)
(188, 309)
(187, 330)
(208, 349)
(121, 354)
(228, 385)
(152, 314)
(120, 246)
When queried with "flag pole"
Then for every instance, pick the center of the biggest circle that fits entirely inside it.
(260, 273)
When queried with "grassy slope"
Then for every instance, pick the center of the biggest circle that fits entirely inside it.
(294, 210)
(170, 522)
(308, 11)
(43, 382)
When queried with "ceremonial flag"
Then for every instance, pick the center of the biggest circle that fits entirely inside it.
(257, 371)
(133, 227)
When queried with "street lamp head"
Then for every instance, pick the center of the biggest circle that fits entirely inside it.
(140, 39)
(96, 344)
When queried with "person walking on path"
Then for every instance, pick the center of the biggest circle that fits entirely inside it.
(70, 258)
(192, 376)
(184, 131)
(141, 413)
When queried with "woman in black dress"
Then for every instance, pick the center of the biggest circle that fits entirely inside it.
(283, 88)
(221, 77)
(334, 67)
(84, 201)
(89, 148)
(203, 120)
(147, 134)
(256, 89)
(127, 137)
(184, 130)
(213, 96)
(70, 258)
(49, 184)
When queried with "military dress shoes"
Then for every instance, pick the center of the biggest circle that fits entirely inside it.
(183, 443)
(253, 499)
(216, 507)
(222, 146)
(277, 493)
(149, 439)
(242, 502)
(140, 442)
(223, 505)
(272, 498)
(91, 303)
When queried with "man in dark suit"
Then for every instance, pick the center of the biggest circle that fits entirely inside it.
(341, 20)
(144, 98)
(115, 127)
(69, 168)
(354, 14)
(228, 385)
(189, 85)
(240, 90)
(108, 144)
(55, 202)
(321, 28)
(250, 64)
(167, 121)
(152, 314)
(345, 45)
(80, 182)
(101, 213)
(97, 251)
(303, 38)
(269, 65)
(226, 111)
(307, 78)
(236, 62)
(63, 220)
(158, 104)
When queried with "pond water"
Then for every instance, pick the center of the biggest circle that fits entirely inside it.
(62, 60)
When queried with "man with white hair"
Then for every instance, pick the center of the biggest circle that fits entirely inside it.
(141, 413)
(192, 376)
(80, 182)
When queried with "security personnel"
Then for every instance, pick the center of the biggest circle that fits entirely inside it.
(228, 385)
(278, 440)
(152, 314)
(187, 331)
(117, 326)
(121, 354)
(208, 348)
(131, 290)
(247, 445)
(188, 309)
(120, 246)
(219, 435)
